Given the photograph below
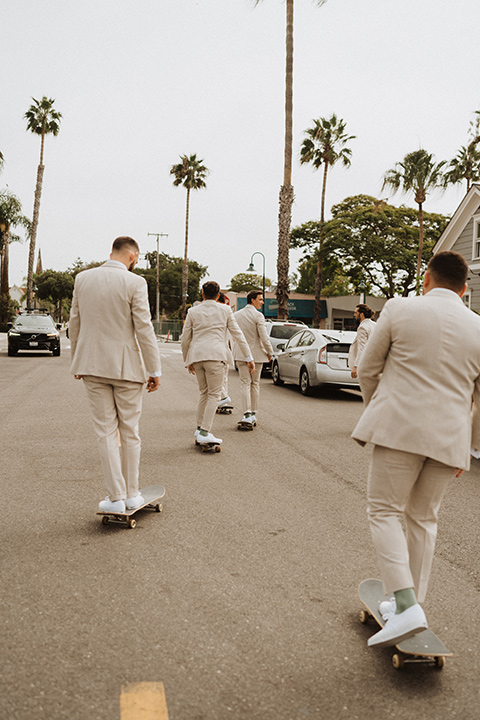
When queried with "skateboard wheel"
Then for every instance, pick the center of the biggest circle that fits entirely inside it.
(132, 523)
(398, 661)
(105, 520)
(364, 616)
(217, 448)
(158, 507)
(440, 662)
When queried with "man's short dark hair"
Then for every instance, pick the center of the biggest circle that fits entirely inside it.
(365, 310)
(210, 290)
(221, 298)
(252, 295)
(125, 242)
(448, 269)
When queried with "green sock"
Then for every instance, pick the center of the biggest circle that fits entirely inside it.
(203, 432)
(404, 599)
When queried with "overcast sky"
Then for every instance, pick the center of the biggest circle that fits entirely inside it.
(141, 82)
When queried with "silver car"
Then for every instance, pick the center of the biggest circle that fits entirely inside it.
(314, 357)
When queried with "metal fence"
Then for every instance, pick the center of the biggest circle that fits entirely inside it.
(168, 330)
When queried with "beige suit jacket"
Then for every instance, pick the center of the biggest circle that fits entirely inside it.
(364, 331)
(418, 374)
(252, 323)
(110, 327)
(205, 336)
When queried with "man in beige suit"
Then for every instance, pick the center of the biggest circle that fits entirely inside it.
(363, 315)
(112, 341)
(418, 374)
(205, 353)
(252, 323)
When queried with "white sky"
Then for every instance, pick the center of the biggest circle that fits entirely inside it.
(141, 82)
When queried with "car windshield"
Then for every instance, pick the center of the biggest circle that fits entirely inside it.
(40, 322)
(284, 332)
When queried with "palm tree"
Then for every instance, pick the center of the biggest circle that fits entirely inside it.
(325, 144)
(10, 217)
(420, 174)
(286, 195)
(191, 174)
(42, 119)
(466, 165)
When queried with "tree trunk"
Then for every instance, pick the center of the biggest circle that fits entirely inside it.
(286, 191)
(4, 287)
(420, 246)
(185, 260)
(319, 275)
(33, 233)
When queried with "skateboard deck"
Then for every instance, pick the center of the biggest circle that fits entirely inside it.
(425, 647)
(151, 494)
(244, 425)
(225, 410)
(209, 447)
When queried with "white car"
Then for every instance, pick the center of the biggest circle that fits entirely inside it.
(279, 331)
(314, 357)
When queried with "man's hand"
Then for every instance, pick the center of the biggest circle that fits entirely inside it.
(354, 372)
(251, 367)
(458, 473)
(78, 377)
(191, 369)
(153, 383)
(269, 358)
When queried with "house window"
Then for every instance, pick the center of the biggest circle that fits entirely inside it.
(467, 297)
(476, 237)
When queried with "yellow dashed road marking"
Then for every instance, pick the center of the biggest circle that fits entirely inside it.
(143, 701)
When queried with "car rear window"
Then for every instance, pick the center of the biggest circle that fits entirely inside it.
(284, 332)
(338, 347)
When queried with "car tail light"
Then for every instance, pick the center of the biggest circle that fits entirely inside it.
(322, 355)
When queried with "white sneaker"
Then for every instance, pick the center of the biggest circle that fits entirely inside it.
(108, 506)
(205, 439)
(247, 419)
(400, 627)
(224, 401)
(253, 418)
(387, 608)
(134, 502)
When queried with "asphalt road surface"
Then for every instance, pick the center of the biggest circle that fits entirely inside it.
(241, 597)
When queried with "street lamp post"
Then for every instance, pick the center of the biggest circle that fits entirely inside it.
(157, 303)
(251, 268)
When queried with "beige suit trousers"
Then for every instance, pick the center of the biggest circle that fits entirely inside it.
(409, 486)
(116, 407)
(210, 376)
(249, 386)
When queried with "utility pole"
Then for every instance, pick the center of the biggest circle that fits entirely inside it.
(157, 307)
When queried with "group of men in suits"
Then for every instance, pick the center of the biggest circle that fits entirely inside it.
(206, 352)
(419, 374)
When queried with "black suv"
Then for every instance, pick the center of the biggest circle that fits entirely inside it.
(33, 330)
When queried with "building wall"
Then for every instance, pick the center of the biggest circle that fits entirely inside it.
(465, 246)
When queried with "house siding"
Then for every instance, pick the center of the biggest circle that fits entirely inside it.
(464, 246)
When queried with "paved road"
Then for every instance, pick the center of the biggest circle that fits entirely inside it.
(241, 597)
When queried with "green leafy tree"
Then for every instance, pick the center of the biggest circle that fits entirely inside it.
(171, 282)
(325, 144)
(377, 243)
(42, 119)
(244, 282)
(417, 173)
(55, 287)
(286, 195)
(466, 164)
(191, 174)
(11, 217)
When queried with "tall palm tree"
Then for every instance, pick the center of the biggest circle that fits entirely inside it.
(286, 195)
(191, 174)
(42, 119)
(324, 145)
(417, 173)
(466, 165)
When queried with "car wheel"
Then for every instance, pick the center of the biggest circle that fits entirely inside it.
(56, 352)
(11, 352)
(304, 382)
(276, 374)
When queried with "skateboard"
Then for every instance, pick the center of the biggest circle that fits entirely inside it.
(151, 494)
(244, 425)
(424, 647)
(209, 447)
(225, 410)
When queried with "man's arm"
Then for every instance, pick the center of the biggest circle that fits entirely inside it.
(238, 336)
(74, 321)
(186, 337)
(145, 333)
(263, 335)
(375, 354)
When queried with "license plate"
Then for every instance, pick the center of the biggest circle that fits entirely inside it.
(33, 343)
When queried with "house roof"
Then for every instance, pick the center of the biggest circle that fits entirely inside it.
(461, 217)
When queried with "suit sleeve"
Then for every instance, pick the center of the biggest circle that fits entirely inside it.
(362, 337)
(476, 416)
(74, 321)
(186, 337)
(238, 335)
(263, 335)
(144, 329)
(375, 354)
